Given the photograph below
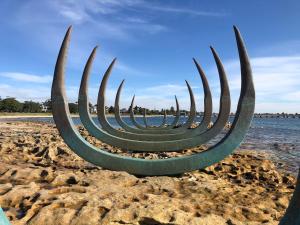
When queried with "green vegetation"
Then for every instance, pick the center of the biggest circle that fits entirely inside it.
(20, 114)
(73, 107)
(11, 106)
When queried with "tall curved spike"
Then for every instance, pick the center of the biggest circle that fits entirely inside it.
(117, 99)
(157, 128)
(87, 69)
(83, 102)
(101, 96)
(178, 165)
(177, 117)
(193, 112)
(163, 123)
(144, 117)
(225, 101)
(132, 118)
(207, 99)
(292, 215)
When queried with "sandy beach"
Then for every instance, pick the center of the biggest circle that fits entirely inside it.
(43, 182)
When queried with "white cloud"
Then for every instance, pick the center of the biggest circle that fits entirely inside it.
(272, 75)
(74, 16)
(168, 89)
(162, 96)
(276, 82)
(38, 93)
(186, 11)
(26, 77)
(80, 11)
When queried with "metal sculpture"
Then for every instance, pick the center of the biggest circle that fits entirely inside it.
(126, 127)
(167, 141)
(108, 160)
(3, 218)
(184, 126)
(292, 214)
(150, 142)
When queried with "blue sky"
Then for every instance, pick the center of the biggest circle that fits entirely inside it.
(154, 42)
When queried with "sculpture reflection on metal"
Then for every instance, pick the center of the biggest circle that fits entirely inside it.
(151, 141)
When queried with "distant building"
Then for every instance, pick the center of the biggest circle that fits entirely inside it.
(124, 110)
(44, 108)
(93, 109)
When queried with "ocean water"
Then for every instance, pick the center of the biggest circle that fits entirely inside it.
(279, 137)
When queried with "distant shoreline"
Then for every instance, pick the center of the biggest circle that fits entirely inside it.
(47, 115)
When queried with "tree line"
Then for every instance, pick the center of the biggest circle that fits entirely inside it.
(140, 110)
(11, 104)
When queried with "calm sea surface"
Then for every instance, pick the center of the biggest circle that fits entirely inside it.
(280, 137)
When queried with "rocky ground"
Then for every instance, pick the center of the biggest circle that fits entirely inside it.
(43, 182)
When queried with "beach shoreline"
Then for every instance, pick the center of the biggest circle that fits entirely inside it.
(42, 181)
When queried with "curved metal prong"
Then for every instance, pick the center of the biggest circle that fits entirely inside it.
(132, 118)
(144, 117)
(207, 99)
(193, 112)
(163, 123)
(177, 116)
(292, 215)
(159, 127)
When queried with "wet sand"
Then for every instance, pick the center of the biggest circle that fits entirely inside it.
(43, 182)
